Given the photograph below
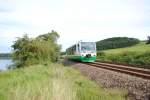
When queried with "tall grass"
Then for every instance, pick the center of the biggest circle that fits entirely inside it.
(52, 82)
(26, 84)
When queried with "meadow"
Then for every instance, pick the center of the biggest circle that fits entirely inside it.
(138, 54)
(52, 82)
(141, 47)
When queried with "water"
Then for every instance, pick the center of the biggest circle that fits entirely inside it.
(4, 63)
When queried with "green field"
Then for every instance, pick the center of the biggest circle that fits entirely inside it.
(141, 47)
(52, 82)
(138, 54)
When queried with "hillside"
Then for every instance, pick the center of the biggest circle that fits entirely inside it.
(138, 54)
(141, 47)
(116, 42)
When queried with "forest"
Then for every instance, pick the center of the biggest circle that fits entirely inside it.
(116, 42)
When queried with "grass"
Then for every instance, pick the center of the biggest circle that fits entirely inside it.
(52, 82)
(136, 55)
(141, 47)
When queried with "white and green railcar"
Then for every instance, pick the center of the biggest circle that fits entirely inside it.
(82, 51)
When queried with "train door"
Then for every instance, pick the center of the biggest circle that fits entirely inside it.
(78, 48)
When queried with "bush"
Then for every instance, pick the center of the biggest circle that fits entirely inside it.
(100, 53)
(29, 51)
(148, 41)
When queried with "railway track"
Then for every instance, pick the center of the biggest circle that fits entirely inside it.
(138, 72)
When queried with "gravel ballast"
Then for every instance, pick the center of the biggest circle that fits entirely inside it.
(138, 88)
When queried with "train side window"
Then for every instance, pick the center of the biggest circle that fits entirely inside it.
(78, 48)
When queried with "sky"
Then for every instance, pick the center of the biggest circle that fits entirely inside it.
(74, 20)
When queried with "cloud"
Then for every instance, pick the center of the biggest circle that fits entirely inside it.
(5, 7)
(74, 20)
(5, 44)
(12, 23)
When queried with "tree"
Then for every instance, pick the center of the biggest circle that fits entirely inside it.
(52, 37)
(148, 41)
(42, 49)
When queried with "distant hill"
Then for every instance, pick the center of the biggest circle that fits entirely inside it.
(140, 47)
(116, 42)
(5, 55)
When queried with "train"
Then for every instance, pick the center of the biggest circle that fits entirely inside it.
(82, 51)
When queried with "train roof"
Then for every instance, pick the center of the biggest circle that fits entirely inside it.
(80, 42)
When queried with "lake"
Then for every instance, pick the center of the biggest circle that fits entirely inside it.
(4, 63)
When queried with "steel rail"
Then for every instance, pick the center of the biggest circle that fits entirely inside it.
(138, 72)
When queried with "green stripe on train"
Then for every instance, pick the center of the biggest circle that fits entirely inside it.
(81, 58)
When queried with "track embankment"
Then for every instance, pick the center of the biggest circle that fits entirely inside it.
(138, 87)
(138, 72)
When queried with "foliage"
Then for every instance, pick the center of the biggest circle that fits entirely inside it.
(116, 42)
(63, 53)
(52, 82)
(128, 57)
(42, 49)
(148, 41)
(71, 50)
(100, 53)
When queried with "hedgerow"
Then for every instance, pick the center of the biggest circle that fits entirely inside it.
(127, 57)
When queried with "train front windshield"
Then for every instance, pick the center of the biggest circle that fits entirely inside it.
(88, 46)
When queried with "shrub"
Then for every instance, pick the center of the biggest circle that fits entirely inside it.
(30, 51)
(100, 53)
(148, 41)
